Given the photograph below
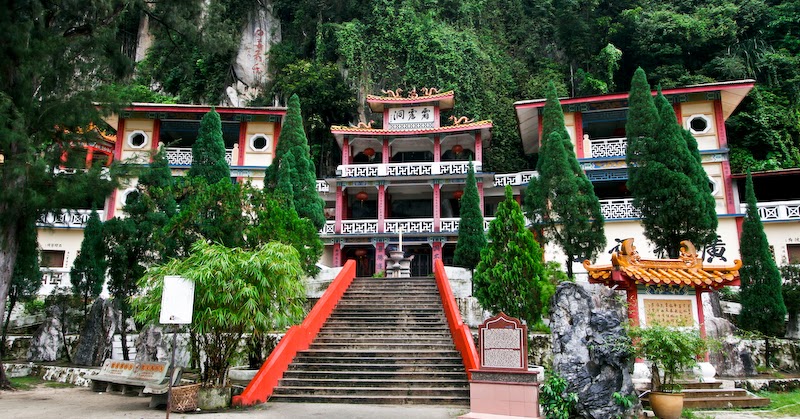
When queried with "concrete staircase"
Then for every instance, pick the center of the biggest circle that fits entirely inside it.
(713, 396)
(386, 342)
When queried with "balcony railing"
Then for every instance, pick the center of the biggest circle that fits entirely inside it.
(406, 169)
(774, 211)
(614, 209)
(514, 179)
(412, 225)
(323, 187)
(182, 156)
(56, 277)
(608, 147)
(393, 226)
(66, 218)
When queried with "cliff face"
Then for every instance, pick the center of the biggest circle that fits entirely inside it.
(260, 33)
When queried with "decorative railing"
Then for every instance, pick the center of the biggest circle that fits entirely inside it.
(359, 226)
(66, 218)
(330, 228)
(462, 336)
(323, 186)
(782, 210)
(514, 179)
(55, 277)
(614, 209)
(182, 156)
(406, 169)
(608, 147)
(450, 225)
(412, 225)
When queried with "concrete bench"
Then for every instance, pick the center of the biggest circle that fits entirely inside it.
(130, 376)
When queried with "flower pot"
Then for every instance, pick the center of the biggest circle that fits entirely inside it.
(241, 373)
(666, 405)
(213, 398)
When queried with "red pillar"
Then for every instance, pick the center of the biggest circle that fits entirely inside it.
(112, 200)
(337, 255)
(579, 152)
(381, 213)
(156, 135)
(480, 195)
(89, 157)
(385, 157)
(243, 142)
(346, 151)
(437, 149)
(380, 257)
(437, 207)
(437, 250)
(339, 213)
(478, 147)
(633, 305)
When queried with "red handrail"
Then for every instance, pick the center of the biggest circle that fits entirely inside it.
(462, 336)
(298, 338)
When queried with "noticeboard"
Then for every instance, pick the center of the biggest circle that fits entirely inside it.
(177, 300)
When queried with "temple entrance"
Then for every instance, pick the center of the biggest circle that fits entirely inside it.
(364, 257)
(422, 264)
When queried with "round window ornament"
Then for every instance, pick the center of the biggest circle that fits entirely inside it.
(698, 124)
(137, 139)
(260, 142)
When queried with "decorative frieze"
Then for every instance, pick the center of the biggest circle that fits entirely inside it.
(614, 209)
(608, 147)
(182, 156)
(66, 219)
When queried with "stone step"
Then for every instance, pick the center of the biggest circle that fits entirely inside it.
(385, 321)
(375, 382)
(359, 308)
(717, 399)
(459, 401)
(719, 392)
(409, 352)
(376, 391)
(458, 376)
(379, 344)
(404, 328)
(372, 366)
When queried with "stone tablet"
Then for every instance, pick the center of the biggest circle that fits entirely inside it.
(503, 344)
(669, 312)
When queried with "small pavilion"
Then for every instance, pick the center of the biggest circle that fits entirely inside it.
(664, 291)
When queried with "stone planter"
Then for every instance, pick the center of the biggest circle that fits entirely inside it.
(214, 398)
(241, 373)
(666, 405)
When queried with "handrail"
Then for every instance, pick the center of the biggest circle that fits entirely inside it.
(298, 338)
(462, 336)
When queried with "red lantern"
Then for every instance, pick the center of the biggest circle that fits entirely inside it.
(458, 194)
(458, 149)
(362, 196)
(369, 152)
(361, 252)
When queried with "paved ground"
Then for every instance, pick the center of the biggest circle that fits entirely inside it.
(80, 402)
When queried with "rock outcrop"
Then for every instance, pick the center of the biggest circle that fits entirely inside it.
(47, 344)
(97, 336)
(591, 349)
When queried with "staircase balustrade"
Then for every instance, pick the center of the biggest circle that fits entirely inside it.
(462, 336)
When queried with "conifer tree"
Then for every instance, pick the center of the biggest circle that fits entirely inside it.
(763, 308)
(208, 152)
(27, 277)
(661, 175)
(88, 273)
(562, 201)
(471, 236)
(510, 276)
(293, 141)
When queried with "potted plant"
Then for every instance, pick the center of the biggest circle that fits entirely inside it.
(237, 292)
(671, 351)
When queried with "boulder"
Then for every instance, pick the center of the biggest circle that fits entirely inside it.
(591, 349)
(97, 336)
(47, 344)
(260, 33)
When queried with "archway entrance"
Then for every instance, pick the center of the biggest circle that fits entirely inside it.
(422, 264)
(364, 257)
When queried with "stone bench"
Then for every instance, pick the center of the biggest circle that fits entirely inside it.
(130, 376)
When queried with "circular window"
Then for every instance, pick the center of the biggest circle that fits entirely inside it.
(137, 139)
(129, 195)
(714, 186)
(259, 142)
(698, 124)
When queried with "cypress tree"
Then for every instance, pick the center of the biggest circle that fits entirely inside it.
(763, 308)
(27, 277)
(562, 201)
(89, 270)
(208, 152)
(510, 276)
(471, 237)
(293, 141)
(663, 175)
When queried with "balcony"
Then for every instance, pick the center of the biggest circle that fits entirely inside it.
(514, 179)
(605, 147)
(777, 211)
(66, 219)
(182, 156)
(323, 187)
(616, 209)
(406, 169)
(394, 226)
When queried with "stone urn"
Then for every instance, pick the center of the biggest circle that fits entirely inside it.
(666, 405)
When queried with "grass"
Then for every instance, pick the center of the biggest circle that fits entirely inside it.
(783, 405)
(26, 383)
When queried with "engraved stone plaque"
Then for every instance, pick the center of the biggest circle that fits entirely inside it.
(669, 312)
(503, 343)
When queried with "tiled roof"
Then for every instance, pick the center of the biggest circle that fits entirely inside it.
(628, 269)
(378, 131)
(402, 99)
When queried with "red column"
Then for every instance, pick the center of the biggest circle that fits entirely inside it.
(346, 151)
(579, 152)
(437, 250)
(339, 212)
(243, 142)
(156, 135)
(478, 147)
(385, 157)
(437, 149)
(276, 135)
(89, 157)
(380, 257)
(722, 140)
(539, 128)
(480, 195)
(381, 210)
(117, 156)
(633, 305)
(337, 255)
(437, 209)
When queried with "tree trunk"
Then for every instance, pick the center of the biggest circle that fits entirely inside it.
(570, 274)
(11, 303)
(123, 333)
(8, 257)
(767, 353)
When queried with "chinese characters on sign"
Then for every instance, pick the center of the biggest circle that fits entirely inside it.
(675, 313)
(417, 117)
(716, 250)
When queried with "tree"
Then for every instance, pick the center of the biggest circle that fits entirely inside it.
(208, 152)
(236, 292)
(471, 236)
(763, 309)
(56, 57)
(664, 175)
(89, 269)
(562, 200)
(27, 277)
(510, 276)
(293, 142)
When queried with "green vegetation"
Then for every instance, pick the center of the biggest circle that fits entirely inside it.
(763, 309)
(556, 402)
(88, 273)
(471, 236)
(671, 351)
(28, 382)
(782, 405)
(208, 152)
(510, 277)
(27, 279)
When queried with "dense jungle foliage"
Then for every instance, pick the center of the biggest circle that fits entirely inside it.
(492, 53)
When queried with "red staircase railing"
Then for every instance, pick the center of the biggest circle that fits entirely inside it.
(297, 338)
(462, 336)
